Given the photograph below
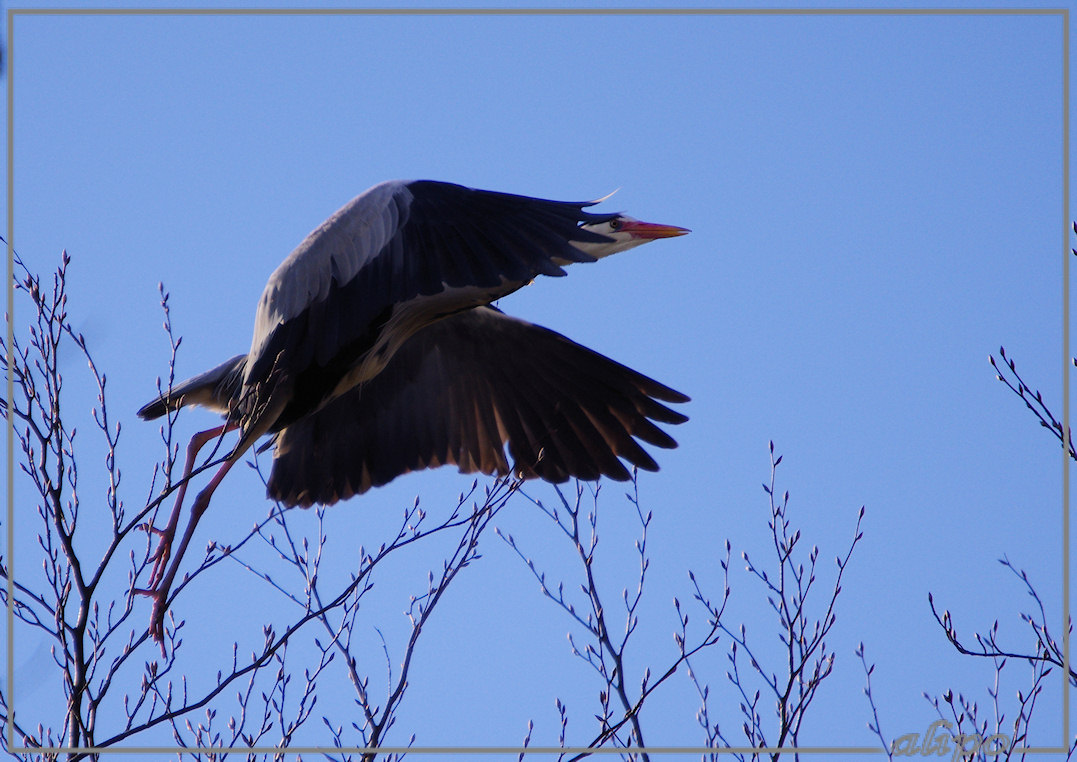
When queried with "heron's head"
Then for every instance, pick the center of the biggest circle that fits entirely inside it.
(626, 233)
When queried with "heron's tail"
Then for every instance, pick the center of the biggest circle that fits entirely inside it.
(214, 389)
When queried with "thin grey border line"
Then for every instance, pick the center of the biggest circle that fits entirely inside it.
(9, 428)
(389, 11)
(466, 750)
(12, 12)
(1066, 435)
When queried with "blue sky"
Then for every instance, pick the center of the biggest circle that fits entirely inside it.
(876, 205)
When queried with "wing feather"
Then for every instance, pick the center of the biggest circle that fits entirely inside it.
(391, 246)
(462, 391)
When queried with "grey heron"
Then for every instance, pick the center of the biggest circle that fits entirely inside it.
(376, 352)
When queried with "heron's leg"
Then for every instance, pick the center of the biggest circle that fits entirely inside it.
(164, 548)
(160, 592)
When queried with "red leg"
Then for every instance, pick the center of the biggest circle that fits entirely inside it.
(160, 592)
(167, 534)
(160, 581)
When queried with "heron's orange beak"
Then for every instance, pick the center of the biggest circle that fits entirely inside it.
(649, 231)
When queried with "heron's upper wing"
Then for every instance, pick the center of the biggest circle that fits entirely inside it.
(457, 392)
(396, 242)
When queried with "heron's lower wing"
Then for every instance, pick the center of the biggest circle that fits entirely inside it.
(215, 389)
(457, 393)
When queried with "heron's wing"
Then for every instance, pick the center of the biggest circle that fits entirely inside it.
(456, 393)
(214, 389)
(398, 242)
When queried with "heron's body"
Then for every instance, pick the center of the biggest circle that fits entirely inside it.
(374, 354)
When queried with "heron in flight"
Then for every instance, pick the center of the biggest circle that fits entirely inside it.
(376, 352)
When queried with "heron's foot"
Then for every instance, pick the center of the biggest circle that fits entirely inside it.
(160, 555)
(157, 587)
(148, 527)
(157, 615)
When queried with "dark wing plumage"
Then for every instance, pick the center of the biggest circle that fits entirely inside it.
(215, 389)
(326, 304)
(457, 392)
